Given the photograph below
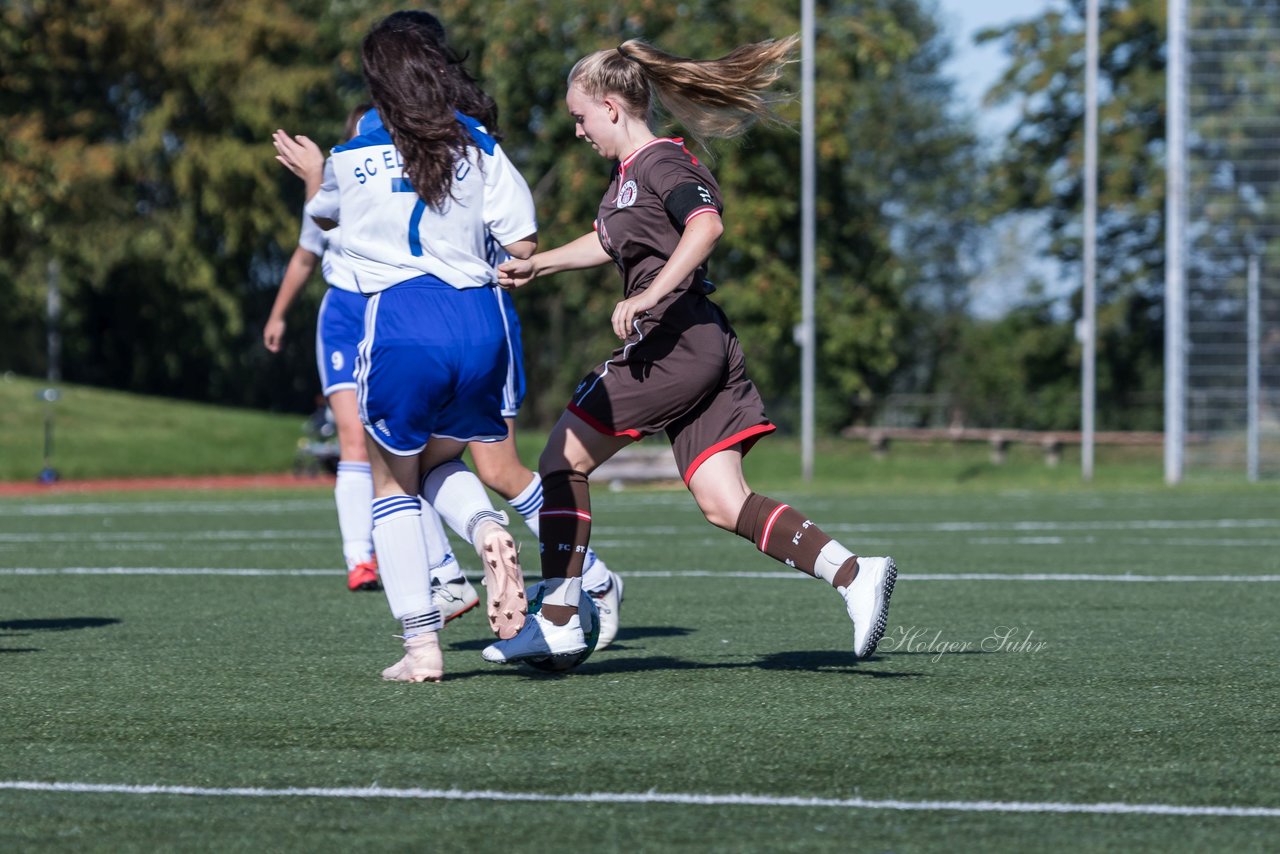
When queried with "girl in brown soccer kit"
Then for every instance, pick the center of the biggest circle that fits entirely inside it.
(680, 368)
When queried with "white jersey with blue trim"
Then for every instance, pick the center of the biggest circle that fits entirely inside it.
(389, 235)
(327, 245)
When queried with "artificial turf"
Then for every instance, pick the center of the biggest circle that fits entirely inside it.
(206, 641)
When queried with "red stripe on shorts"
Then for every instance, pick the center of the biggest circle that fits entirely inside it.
(599, 427)
(747, 437)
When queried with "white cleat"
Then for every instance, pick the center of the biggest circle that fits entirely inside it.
(422, 662)
(867, 601)
(608, 603)
(503, 581)
(539, 638)
(454, 598)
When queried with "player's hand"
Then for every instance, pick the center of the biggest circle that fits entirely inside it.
(299, 155)
(515, 273)
(625, 312)
(273, 335)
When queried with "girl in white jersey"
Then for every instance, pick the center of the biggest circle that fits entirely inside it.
(339, 328)
(417, 192)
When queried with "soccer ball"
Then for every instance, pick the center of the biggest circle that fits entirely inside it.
(587, 615)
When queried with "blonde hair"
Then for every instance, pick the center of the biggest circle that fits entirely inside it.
(711, 99)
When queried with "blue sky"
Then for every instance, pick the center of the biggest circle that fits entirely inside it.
(976, 68)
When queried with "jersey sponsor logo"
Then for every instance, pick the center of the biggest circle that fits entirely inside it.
(627, 195)
(705, 195)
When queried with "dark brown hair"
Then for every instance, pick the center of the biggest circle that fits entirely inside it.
(417, 84)
(353, 120)
(473, 100)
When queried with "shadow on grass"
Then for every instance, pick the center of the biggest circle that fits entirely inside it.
(823, 661)
(815, 661)
(935, 653)
(57, 624)
(619, 643)
(22, 628)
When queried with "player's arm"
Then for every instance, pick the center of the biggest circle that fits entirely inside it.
(701, 234)
(523, 248)
(580, 254)
(301, 267)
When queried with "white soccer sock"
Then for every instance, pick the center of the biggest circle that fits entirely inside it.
(402, 562)
(353, 493)
(595, 575)
(562, 591)
(830, 559)
(459, 497)
(529, 503)
(444, 566)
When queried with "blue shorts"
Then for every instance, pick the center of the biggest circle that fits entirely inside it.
(513, 391)
(339, 328)
(433, 362)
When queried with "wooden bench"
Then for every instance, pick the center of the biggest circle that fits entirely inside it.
(1051, 442)
(641, 463)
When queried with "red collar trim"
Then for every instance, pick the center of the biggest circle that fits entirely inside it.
(630, 158)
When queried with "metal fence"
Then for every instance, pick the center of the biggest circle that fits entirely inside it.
(1231, 257)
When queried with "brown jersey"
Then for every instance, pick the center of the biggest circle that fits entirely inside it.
(681, 370)
(655, 191)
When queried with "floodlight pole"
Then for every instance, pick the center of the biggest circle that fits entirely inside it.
(1175, 282)
(53, 342)
(805, 333)
(1253, 380)
(1089, 336)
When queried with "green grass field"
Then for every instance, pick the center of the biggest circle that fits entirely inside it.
(1052, 653)
(102, 433)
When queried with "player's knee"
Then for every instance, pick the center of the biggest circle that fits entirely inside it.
(551, 460)
(718, 513)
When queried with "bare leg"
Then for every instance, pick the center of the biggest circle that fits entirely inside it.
(786, 535)
(498, 465)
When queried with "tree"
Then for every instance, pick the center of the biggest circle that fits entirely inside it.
(1040, 171)
(881, 104)
(137, 153)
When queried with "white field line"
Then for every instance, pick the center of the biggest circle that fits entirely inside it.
(127, 508)
(132, 537)
(249, 541)
(650, 797)
(659, 573)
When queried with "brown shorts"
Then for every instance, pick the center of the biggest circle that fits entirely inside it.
(686, 375)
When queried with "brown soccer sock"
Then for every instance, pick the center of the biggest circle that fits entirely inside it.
(564, 523)
(564, 529)
(781, 532)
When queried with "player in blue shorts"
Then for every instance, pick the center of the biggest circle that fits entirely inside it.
(499, 466)
(497, 463)
(417, 192)
(339, 327)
